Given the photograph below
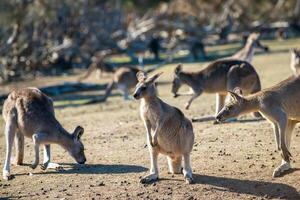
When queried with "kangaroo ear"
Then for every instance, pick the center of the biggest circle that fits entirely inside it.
(178, 69)
(238, 91)
(141, 76)
(78, 132)
(154, 77)
(234, 96)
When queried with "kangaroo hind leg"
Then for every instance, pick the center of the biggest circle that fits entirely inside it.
(285, 164)
(19, 146)
(10, 131)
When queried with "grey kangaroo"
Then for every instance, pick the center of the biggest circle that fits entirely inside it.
(28, 112)
(279, 105)
(169, 132)
(124, 79)
(218, 78)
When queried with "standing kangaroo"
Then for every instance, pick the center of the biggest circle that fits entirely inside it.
(247, 52)
(295, 61)
(172, 133)
(279, 105)
(29, 112)
(218, 77)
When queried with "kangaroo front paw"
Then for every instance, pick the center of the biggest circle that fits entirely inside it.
(55, 166)
(189, 179)
(282, 168)
(51, 165)
(7, 176)
(149, 179)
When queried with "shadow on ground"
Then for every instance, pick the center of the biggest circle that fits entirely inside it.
(250, 187)
(96, 169)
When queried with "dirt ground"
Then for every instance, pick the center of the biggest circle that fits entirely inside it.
(230, 161)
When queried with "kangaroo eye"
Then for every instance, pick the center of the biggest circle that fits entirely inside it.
(143, 88)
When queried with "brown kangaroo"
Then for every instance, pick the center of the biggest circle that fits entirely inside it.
(279, 105)
(168, 131)
(125, 80)
(218, 77)
(28, 112)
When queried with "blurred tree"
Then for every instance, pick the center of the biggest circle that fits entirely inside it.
(38, 34)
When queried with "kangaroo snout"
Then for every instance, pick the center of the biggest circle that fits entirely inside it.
(219, 118)
(135, 96)
(82, 162)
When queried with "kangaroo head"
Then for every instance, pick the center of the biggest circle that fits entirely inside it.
(145, 86)
(233, 106)
(76, 148)
(176, 83)
(295, 54)
(253, 40)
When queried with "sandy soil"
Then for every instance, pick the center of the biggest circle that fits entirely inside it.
(230, 161)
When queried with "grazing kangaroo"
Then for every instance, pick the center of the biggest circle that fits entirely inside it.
(29, 112)
(279, 105)
(218, 77)
(172, 133)
(247, 52)
(295, 61)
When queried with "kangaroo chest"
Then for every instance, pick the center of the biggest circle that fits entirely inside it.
(151, 114)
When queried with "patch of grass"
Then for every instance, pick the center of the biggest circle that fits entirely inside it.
(61, 103)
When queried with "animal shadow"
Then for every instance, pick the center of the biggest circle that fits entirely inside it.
(250, 187)
(96, 169)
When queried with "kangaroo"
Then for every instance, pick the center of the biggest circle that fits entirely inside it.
(28, 112)
(99, 65)
(295, 61)
(172, 133)
(247, 52)
(279, 105)
(125, 80)
(218, 77)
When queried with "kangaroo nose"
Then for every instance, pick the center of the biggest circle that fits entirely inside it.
(135, 95)
(82, 162)
(218, 118)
